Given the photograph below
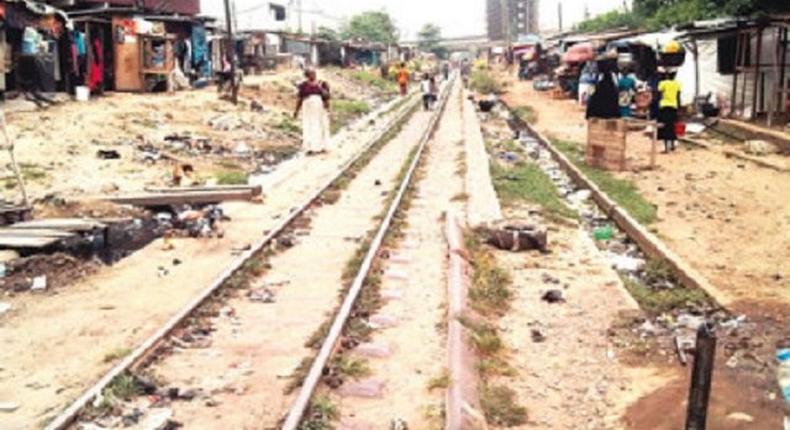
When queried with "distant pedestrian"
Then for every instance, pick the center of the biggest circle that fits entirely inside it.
(466, 70)
(427, 87)
(403, 79)
(446, 70)
(668, 111)
(626, 86)
(313, 103)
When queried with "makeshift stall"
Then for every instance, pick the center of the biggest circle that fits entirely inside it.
(607, 142)
(144, 55)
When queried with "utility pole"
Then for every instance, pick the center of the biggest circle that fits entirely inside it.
(559, 14)
(299, 11)
(231, 53)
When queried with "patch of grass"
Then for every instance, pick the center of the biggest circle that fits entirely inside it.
(660, 300)
(484, 82)
(526, 113)
(124, 387)
(116, 354)
(32, 172)
(526, 182)
(500, 407)
(351, 367)
(495, 366)
(622, 191)
(440, 382)
(344, 111)
(484, 336)
(287, 125)
(231, 177)
(320, 414)
(375, 80)
(490, 292)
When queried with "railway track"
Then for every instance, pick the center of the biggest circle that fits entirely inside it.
(147, 351)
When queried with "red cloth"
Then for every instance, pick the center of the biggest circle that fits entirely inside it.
(96, 78)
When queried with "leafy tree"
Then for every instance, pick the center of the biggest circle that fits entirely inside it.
(328, 34)
(375, 26)
(428, 39)
(656, 14)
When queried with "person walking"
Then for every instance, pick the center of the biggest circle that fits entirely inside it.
(403, 79)
(627, 89)
(669, 103)
(426, 87)
(313, 102)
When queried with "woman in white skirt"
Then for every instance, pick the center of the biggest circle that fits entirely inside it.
(313, 103)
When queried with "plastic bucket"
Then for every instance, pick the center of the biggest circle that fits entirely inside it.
(82, 93)
(680, 129)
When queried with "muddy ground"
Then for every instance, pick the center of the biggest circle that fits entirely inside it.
(728, 218)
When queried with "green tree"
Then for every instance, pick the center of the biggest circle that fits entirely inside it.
(428, 39)
(375, 26)
(328, 34)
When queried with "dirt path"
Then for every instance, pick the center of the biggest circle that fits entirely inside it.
(706, 204)
(415, 285)
(55, 346)
(255, 346)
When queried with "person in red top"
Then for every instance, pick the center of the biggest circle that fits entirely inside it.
(313, 101)
(403, 79)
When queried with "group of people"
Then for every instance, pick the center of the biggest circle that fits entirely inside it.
(614, 93)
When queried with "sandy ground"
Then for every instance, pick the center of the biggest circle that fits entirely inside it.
(728, 218)
(256, 347)
(46, 363)
(706, 204)
(57, 147)
(418, 284)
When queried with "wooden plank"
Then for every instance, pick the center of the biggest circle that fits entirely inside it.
(256, 190)
(66, 224)
(184, 198)
(28, 242)
(34, 232)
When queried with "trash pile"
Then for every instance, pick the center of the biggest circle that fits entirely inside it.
(41, 272)
(674, 330)
(196, 222)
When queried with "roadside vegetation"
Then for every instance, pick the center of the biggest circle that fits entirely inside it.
(344, 111)
(658, 14)
(625, 193)
(520, 181)
(484, 82)
(490, 297)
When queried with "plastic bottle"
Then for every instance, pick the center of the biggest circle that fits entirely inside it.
(603, 233)
(783, 377)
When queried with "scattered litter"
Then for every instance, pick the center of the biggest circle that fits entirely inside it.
(516, 235)
(108, 154)
(368, 388)
(263, 295)
(162, 272)
(398, 424)
(760, 147)
(695, 128)
(682, 346)
(553, 296)
(39, 283)
(177, 262)
(4, 307)
(625, 263)
(740, 416)
(538, 336)
(8, 407)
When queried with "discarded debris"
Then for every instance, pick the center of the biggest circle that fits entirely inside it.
(263, 295)
(8, 407)
(108, 154)
(4, 307)
(553, 296)
(39, 283)
(538, 336)
(516, 235)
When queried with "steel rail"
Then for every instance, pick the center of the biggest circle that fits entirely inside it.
(71, 413)
(302, 402)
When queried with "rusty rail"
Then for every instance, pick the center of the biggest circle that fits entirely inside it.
(302, 402)
(71, 413)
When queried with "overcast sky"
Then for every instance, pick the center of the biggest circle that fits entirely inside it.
(456, 17)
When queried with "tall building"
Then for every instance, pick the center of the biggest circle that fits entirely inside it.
(511, 18)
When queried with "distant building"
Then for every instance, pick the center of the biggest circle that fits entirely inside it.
(511, 18)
